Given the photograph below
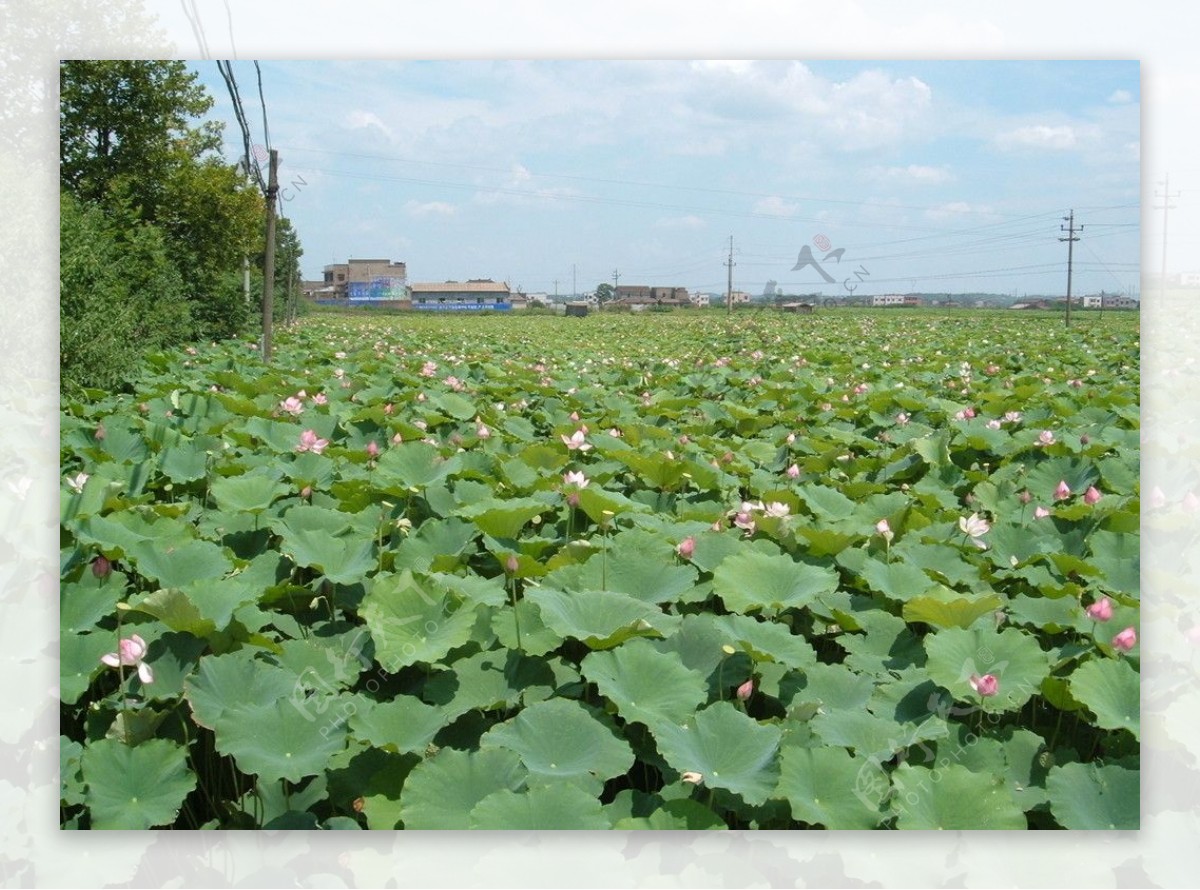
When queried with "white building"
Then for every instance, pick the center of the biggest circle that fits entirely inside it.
(887, 300)
(701, 301)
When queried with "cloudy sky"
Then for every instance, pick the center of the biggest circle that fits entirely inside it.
(935, 176)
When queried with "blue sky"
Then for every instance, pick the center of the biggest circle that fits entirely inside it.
(935, 176)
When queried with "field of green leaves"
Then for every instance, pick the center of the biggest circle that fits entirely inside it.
(685, 571)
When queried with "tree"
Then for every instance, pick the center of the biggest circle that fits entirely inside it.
(133, 138)
(604, 293)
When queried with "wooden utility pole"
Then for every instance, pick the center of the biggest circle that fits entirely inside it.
(268, 297)
(1070, 239)
(1166, 205)
(729, 289)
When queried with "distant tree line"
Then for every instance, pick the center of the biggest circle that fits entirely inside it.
(155, 226)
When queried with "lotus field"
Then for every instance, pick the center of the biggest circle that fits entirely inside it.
(667, 571)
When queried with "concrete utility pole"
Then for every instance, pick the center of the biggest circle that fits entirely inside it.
(1167, 205)
(729, 289)
(616, 279)
(574, 290)
(1070, 239)
(268, 298)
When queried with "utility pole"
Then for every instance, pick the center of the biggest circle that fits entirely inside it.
(729, 289)
(268, 298)
(616, 278)
(1167, 205)
(574, 291)
(1070, 239)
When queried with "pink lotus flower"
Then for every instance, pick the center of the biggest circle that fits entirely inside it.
(1125, 640)
(1012, 416)
(131, 651)
(974, 525)
(1092, 495)
(1101, 609)
(692, 777)
(777, 510)
(686, 547)
(309, 441)
(993, 424)
(1025, 497)
(745, 690)
(101, 567)
(511, 564)
(77, 482)
(320, 398)
(428, 369)
(576, 441)
(1040, 512)
(1062, 491)
(987, 685)
(793, 472)
(1045, 437)
(902, 418)
(885, 529)
(292, 405)
(482, 431)
(372, 449)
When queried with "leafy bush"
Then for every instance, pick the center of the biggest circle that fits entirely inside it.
(120, 295)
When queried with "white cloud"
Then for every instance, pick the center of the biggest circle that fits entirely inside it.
(681, 222)
(366, 120)
(914, 173)
(1039, 136)
(775, 206)
(1121, 97)
(429, 208)
(956, 209)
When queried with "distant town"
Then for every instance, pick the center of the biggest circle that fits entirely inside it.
(384, 284)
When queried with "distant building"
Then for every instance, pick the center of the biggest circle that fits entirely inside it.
(364, 281)
(475, 295)
(801, 308)
(888, 300)
(700, 301)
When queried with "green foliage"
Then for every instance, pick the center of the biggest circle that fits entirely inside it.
(438, 636)
(120, 295)
(155, 227)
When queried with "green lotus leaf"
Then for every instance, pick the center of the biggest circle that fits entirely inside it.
(896, 580)
(940, 611)
(282, 739)
(251, 492)
(410, 466)
(1089, 796)
(1012, 656)
(646, 685)
(503, 518)
(870, 735)
(404, 723)
(543, 807)
(752, 581)
(225, 682)
(830, 787)
(1110, 689)
(413, 620)
(79, 661)
(559, 739)
(489, 681)
(177, 565)
(441, 792)
(951, 797)
(139, 787)
(727, 748)
(600, 618)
